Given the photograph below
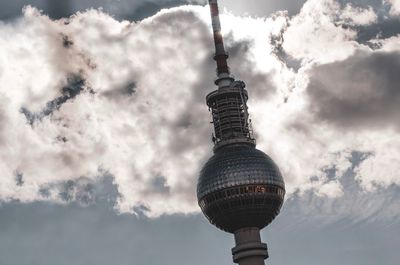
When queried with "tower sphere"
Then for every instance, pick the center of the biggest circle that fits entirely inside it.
(239, 187)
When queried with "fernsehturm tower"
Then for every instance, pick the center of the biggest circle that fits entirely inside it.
(240, 189)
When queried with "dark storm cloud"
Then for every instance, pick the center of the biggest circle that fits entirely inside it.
(362, 90)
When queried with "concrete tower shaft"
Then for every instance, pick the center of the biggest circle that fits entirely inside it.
(249, 250)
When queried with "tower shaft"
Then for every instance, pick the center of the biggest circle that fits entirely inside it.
(249, 250)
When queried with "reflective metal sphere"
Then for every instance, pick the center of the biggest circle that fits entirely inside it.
(239, 187)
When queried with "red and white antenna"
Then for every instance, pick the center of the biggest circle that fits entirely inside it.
(221, 56)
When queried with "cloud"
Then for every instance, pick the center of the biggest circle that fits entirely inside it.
(359, 16)
(359, 91)
(262, 8)
(136, 92)
(394, 7)
(345, 99)
(316, 32)
(75, 85)
(135, 108)
(121, 10)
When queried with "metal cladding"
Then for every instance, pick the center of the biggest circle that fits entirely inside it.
(238, 165)
(240, 189)
(229, 115)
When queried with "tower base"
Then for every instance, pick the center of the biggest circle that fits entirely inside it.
(249, 250)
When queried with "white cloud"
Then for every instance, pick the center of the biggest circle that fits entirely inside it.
(135, 137)
(395, 7)
(331, 189)
(140, 113)
(313, 35)
(358, 16)
(381, 169)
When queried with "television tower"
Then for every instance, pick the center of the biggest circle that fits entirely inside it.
(240, 189)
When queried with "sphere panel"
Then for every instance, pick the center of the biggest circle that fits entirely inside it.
(240, 186)
(232, 212)
(238, 166)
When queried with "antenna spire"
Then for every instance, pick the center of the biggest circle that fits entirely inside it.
(221, 56)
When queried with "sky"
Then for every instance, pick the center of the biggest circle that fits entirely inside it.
(104, 128)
